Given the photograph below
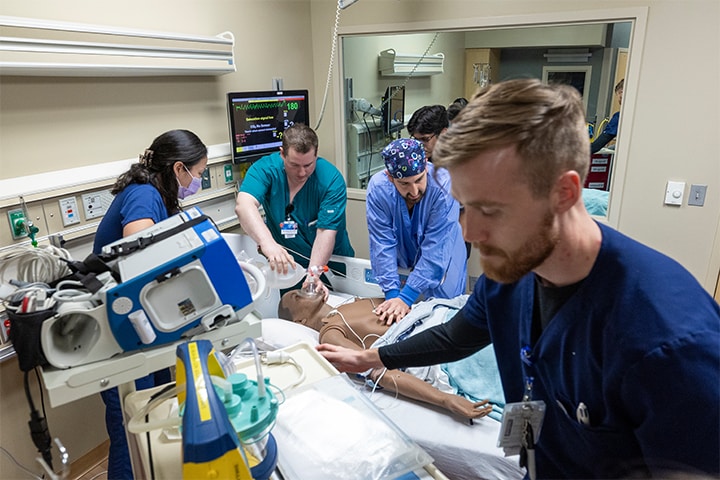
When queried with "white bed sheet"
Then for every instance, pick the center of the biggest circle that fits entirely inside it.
(461, 451)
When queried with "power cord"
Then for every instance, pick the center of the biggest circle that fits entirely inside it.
(19, 465)
(39, 431)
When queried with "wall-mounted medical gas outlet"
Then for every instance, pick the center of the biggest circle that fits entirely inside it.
(674, 193)
(95, 204)
(69, 211)
(206, 183)
(228, 173)
(18, 222)
(697, 195)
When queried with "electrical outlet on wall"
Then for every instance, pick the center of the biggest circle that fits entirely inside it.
(69, 211)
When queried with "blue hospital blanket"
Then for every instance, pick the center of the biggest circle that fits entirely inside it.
(596, 201)
(475, 377)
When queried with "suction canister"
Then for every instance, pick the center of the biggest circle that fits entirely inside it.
(210, 446)
(240, 407)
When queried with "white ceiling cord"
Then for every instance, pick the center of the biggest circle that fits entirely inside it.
(341, 5)
(332, 57)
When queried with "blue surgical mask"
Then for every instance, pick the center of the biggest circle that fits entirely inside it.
(191, 189)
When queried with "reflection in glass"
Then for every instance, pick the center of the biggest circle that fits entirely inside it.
(474, 58)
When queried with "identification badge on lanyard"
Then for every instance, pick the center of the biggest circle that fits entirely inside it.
(289, 228)
(515, 420)
(522, 421)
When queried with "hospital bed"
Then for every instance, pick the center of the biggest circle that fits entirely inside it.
(461, 451)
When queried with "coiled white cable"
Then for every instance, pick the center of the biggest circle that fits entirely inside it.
(34, 264)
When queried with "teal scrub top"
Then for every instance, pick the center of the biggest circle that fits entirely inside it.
(320, 203)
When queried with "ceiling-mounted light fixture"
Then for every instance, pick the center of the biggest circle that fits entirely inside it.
(568, 55)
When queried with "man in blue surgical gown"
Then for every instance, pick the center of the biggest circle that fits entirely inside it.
(413, 225)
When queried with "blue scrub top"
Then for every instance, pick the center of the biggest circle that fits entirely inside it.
(134, 202)
(429, 241)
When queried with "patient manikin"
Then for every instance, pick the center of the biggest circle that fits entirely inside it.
(354, 325)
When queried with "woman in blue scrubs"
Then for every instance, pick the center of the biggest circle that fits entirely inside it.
(149, 192)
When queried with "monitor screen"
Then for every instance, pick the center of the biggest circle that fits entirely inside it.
(393, 109)
(258, 119)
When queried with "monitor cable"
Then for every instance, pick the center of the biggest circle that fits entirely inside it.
(38, 424)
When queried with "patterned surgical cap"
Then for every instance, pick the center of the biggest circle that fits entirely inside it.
(404, 157)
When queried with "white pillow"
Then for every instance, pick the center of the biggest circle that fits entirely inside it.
(283, 333)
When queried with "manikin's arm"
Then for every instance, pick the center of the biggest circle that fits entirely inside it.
(410, 386)
(246, 209)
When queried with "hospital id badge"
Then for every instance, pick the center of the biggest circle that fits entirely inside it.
(514, 417)
(289, 228)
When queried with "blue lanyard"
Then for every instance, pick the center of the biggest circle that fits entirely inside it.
(526, 362)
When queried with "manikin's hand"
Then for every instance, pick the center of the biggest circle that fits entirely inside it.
(465, 408)
(278, 258)
(392, 310)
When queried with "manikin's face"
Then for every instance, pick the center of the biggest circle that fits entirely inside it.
(298, 166)
(411, 188)
(299, 307)
(514, 231)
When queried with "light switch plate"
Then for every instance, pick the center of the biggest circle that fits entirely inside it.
(674, 193)
(697, 195)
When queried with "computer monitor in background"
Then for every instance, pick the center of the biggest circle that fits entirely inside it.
(257, 120)
(393, 109)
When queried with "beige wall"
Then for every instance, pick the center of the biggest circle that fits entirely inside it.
(674, 133)
(52, 123)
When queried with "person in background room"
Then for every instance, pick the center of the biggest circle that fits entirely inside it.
(611, 129)
(413, 224)
(425, 124)
(304, 198)
(581, 317)
(149, 192)
(454, 108)
(453, 111)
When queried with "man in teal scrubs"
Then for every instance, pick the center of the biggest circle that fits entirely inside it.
(304, 199)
